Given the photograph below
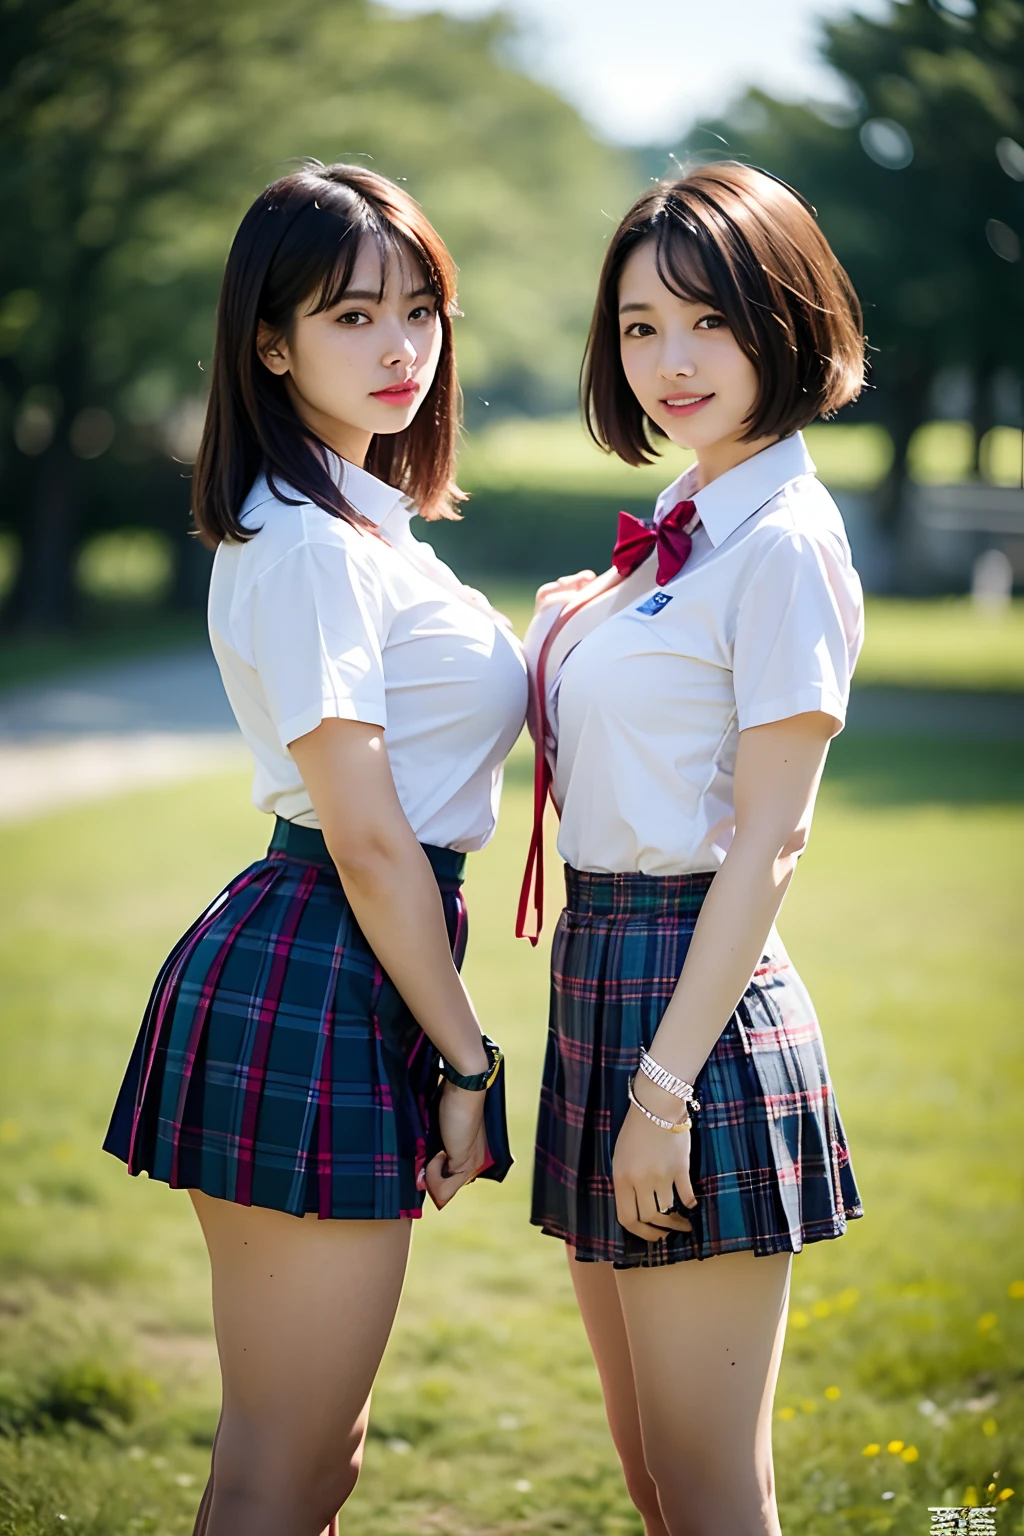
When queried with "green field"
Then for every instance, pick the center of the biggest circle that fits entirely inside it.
(907, 1333)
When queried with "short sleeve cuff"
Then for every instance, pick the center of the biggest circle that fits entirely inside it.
(331, 709)
(807, 701)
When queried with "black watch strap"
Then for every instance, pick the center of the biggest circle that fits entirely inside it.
(479, 1081)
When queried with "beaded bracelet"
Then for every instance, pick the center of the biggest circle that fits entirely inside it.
(666, 1125)
(677, 1086)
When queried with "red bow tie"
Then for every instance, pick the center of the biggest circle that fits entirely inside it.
(636, 539)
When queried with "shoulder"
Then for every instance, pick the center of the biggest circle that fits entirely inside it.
(800, 533)
(802, 515)
(283, 521)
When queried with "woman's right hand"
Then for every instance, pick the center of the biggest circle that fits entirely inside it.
(461, 1116)
(565, 586)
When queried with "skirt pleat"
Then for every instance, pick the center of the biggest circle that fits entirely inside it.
(769, 1161)
(277, 1064)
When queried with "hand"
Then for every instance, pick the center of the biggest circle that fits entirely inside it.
(461, 1114)
(646, 1163)
(565, 586)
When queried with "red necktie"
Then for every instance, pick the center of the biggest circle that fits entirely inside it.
(636, 539)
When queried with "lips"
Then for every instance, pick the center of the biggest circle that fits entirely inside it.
(398, 394)
(688, 405)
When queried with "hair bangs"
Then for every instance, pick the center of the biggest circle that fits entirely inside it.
(680, 258)
(391, 245)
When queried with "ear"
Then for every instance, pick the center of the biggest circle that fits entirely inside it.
(272, 349)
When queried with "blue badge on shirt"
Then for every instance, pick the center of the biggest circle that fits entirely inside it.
(655, 603)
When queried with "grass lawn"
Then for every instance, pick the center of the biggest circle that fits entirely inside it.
(903, 1380)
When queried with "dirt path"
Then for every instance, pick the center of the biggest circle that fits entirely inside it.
(100, 732)
(163, 719)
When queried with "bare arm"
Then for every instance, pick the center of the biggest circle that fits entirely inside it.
(778, 770)
(393, 894)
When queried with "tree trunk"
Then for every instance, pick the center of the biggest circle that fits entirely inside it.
(905, 412)
(982, 414)
(44, 596)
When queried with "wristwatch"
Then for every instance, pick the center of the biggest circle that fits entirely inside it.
(479, 1081)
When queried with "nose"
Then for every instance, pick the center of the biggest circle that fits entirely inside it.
(677, 363)
(400, 350)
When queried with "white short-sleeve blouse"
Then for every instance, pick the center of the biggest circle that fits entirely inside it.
(764, 621)
(313, 619)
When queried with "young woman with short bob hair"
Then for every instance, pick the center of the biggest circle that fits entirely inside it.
(288, 1071)
(682, 708)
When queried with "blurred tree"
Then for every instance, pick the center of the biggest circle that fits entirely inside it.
(133, 134)
(919, 186)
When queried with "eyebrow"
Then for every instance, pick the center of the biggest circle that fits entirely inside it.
(373, 294)
(628, 309)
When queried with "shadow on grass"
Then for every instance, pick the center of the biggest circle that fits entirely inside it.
(872, 770)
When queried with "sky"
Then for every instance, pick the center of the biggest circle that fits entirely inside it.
(641, 71)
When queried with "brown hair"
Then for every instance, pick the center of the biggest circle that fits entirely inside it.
(301, 237)
(740, 239)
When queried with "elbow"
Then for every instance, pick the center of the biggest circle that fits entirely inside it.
(784, 867)
(794, 844)
(363, 854)
(773, 856)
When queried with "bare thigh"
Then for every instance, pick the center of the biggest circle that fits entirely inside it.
(705, 1341)
(302, 1311)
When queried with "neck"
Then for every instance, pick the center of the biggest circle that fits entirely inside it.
(717, 458)
(350, 443)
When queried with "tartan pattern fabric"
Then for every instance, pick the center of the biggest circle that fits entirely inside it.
(769, 1161)
(276, 1064)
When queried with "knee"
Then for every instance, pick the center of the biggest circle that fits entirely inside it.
(695, 1502)
(314, 1479)
(333, 1483)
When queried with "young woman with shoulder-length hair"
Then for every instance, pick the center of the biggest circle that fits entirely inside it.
(689, 1141)
(310, 1063)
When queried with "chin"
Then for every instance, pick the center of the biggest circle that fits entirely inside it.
(690, 433)
(393, 421)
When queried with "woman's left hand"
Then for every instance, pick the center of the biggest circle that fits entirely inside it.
(461, 1113)
(558, 591)
(646, 1164)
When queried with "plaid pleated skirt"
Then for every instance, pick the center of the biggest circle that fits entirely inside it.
(277, 1064)
(769, 1161)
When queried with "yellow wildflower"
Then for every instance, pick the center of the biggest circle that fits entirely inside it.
(970, 1498)
(909, 1453)
(1016, 1290)
(989, 1427)
(821, 1309)
(799, 1318)
(987, 1321)
(872, 1449)
(832, 1393)
(787, 1413)
(808, 1405)
(1004, 1493)
(895, 1446)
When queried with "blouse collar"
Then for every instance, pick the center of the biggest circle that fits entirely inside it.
(733, 497)
(374, 498)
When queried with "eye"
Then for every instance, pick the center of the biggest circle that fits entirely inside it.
(353, 317)
(711, 323)
(424, 312)
(639, 328)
